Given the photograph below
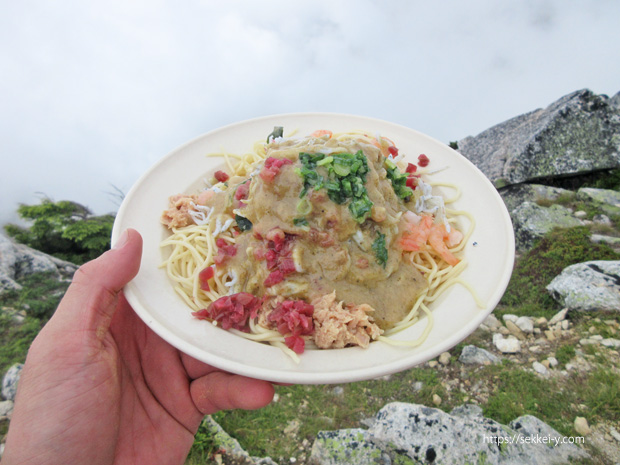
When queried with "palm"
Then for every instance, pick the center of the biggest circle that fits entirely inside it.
(99, 387)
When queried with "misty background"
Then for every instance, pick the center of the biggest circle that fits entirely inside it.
(93, 93)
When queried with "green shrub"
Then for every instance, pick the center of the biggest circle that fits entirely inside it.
(64, 229)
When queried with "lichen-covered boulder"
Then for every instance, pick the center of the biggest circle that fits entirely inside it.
(532, 221)
(577, 134)
(350, 446)
(593, 285)
(430, 435)
(515, 195)
(605, 199)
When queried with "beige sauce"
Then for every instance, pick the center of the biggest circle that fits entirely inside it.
(334, 252)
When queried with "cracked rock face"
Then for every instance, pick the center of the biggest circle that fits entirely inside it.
(406, 433)
(593, 285)
(577, 134)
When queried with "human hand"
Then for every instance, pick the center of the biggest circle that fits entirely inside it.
(99, 387)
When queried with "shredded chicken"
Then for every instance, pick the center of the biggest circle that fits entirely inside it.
(337, 326)
(178, 214)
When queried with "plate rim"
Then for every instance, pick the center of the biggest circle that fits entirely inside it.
(302, 377)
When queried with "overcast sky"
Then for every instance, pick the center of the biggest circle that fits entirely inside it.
(93, 93)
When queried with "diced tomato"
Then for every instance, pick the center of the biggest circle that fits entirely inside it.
(272, 168)
(393, 150)
(204, 276)
(232, 311)
(221, 176)
(423, 160)
(411, 168)
(411, 182)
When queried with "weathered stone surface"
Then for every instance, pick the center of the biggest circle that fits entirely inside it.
(10, 381)
(346, 447)
(532, 221)
(607, 200)
(515, 195)
(593, 285)
(18, 260)
(410, 432)
(508, 345)
(472, 355)
(578, 133)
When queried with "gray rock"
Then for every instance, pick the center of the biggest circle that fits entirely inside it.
(525, 324)
(10, 381)
(472, 355)
(607, 200)
(508, 345)
(410, 432)
(6, 409)
(18, 260)
(609, 240)
(346, 447)
(593, 285)
(577, 134)
(540, 368)
(532, 221)
(515, 195)
(467, 411)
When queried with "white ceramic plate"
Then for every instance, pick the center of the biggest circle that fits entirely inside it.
(489, 252)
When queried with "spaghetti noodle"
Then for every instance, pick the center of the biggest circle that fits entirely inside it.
(324, 241)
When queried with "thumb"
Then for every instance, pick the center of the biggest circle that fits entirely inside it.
(91, 299)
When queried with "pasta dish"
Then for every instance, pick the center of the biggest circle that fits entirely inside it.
(322, 241)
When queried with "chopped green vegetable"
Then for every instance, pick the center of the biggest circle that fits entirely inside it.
(300, 222)
(380, 250)
(243, 223)
(346, 175)
(278, 131)
(304, 206)
(399, 180)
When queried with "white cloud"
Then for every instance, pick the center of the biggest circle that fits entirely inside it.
(95, 92)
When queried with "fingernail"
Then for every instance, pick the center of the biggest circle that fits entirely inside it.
(122, 240)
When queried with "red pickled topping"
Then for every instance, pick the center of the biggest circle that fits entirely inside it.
(293, 317)
(423, 160)
(224, 251)
(204, 276)
(221, 176)
(232, 311)
(274, 278)
(296, 343)
(411, 168)
(242, 191)
(272, 168)
(393, 150)
(287, 266)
